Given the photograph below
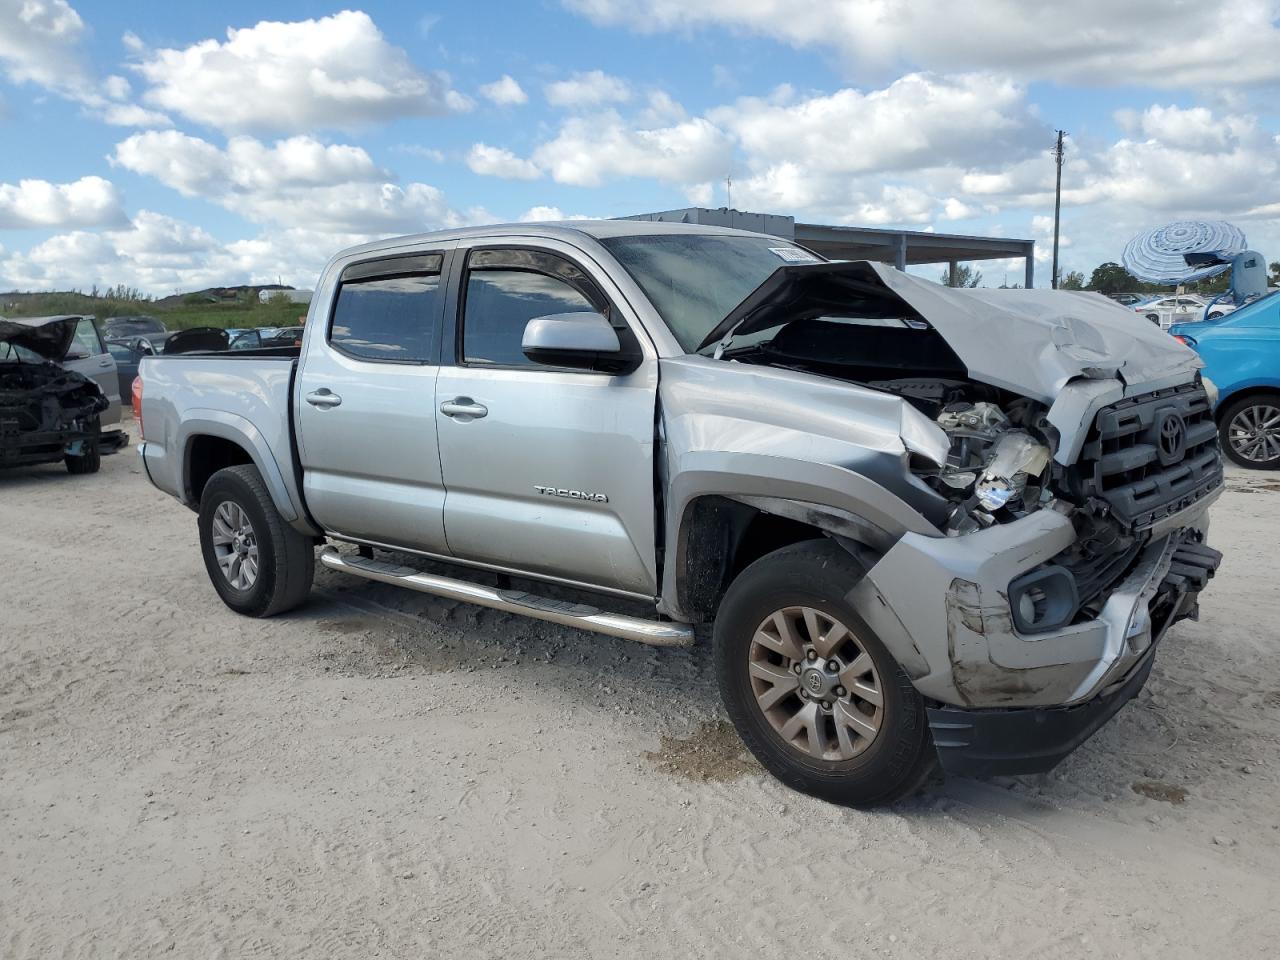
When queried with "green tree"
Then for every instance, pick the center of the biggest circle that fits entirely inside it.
(1072, 281)
(966, 276)
(1110, 278)
(1274, 277)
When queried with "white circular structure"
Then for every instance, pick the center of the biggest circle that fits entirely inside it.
(1157, 256)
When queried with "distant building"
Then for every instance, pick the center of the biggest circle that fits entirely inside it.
(899, 247)
(293, 296)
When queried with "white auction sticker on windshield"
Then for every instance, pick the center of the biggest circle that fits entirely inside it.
(794, 255)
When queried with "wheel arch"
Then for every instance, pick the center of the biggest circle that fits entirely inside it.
(720, 535)
(1243, 393)
(214, 439)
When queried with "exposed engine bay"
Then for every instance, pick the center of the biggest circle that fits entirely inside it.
(998, 466)
(44, 408)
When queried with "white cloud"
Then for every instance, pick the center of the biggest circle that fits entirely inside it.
(88, 202)
(293, 183)
(587, 151)
(1090, 42)
(953, 209)
(336, 72)
(918, 121)
(497, 162)
(40, 42)
(132, 115)
(504, 92)
(587, 90)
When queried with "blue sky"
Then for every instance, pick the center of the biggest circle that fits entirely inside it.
(170, 146)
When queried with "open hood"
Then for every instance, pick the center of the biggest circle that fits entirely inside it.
(50, 337)
(1032, 342)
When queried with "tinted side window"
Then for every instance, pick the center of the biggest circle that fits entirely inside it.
(87, 338)
(508, 288)
(387, 310)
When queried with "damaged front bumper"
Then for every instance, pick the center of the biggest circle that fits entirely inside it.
(963, 650)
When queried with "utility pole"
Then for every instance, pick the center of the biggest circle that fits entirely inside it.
(1057, 205)
(728, 192)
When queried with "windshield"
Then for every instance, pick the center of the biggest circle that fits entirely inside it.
(694, 280)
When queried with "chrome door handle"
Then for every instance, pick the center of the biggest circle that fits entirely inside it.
(464, 408)
(324, 397)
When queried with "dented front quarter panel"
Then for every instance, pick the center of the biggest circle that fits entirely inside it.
(745, 431)
(849, 441)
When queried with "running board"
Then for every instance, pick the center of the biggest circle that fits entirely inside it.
(653, 632)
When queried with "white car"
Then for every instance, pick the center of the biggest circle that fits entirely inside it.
(1182, 308)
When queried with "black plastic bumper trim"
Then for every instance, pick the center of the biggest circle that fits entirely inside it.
(992, 743)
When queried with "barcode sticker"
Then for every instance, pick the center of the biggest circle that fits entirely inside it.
(794, 255)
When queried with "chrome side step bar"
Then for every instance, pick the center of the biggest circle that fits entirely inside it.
(653, 632)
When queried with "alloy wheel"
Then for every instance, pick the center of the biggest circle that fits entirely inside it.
(235, 545)
(815, 684)
(1254, 433)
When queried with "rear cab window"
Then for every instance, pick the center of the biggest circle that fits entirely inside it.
(388, 310)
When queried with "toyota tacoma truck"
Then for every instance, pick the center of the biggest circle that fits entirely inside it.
(922, 526)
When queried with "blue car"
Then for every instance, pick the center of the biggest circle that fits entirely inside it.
(1241, 352)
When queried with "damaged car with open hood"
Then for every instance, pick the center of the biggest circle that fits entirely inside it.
(50, 412)
(921, 526)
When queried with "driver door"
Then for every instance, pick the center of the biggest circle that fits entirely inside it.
(546, 470)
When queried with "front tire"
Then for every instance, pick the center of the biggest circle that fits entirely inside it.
(88, 462)
(813, 692)
(259, 565)
(1249, 431)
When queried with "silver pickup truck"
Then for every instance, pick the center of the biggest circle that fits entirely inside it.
(924, 525)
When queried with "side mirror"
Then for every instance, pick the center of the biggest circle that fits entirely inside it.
(580, 341)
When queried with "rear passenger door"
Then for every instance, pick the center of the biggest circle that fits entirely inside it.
(547, 470)
(365, 404)
(88, 356)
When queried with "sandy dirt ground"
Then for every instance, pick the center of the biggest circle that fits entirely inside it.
(381, 774)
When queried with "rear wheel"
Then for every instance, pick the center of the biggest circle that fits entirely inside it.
(1249, 429)
(812, 691)
(259, 565)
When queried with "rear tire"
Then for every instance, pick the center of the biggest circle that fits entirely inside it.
(794, 728)
(259, 565)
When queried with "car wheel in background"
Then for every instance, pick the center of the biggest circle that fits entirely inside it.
(90, 461)
(1153, 317)
(1216, 315)
(814, 694)
(259, 565)
(1249, 430)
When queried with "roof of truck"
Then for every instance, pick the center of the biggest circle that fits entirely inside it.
(556, 229)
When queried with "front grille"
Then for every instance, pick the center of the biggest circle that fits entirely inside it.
(1150, 456)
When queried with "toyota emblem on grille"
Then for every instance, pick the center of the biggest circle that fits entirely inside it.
(1171, 438)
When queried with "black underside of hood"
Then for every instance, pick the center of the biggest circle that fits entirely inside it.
(1031, 342)
(49, 337)
(803, 291)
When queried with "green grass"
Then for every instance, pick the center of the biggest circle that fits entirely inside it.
(173, 313)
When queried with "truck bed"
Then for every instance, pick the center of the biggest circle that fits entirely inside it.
(245, 397)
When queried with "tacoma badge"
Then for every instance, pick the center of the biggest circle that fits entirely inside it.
(571, 494)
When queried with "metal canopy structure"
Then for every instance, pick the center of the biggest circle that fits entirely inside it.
(902, 248)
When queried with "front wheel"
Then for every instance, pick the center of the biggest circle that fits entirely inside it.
(259, 565)
(1249, 429)
(812, 691)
